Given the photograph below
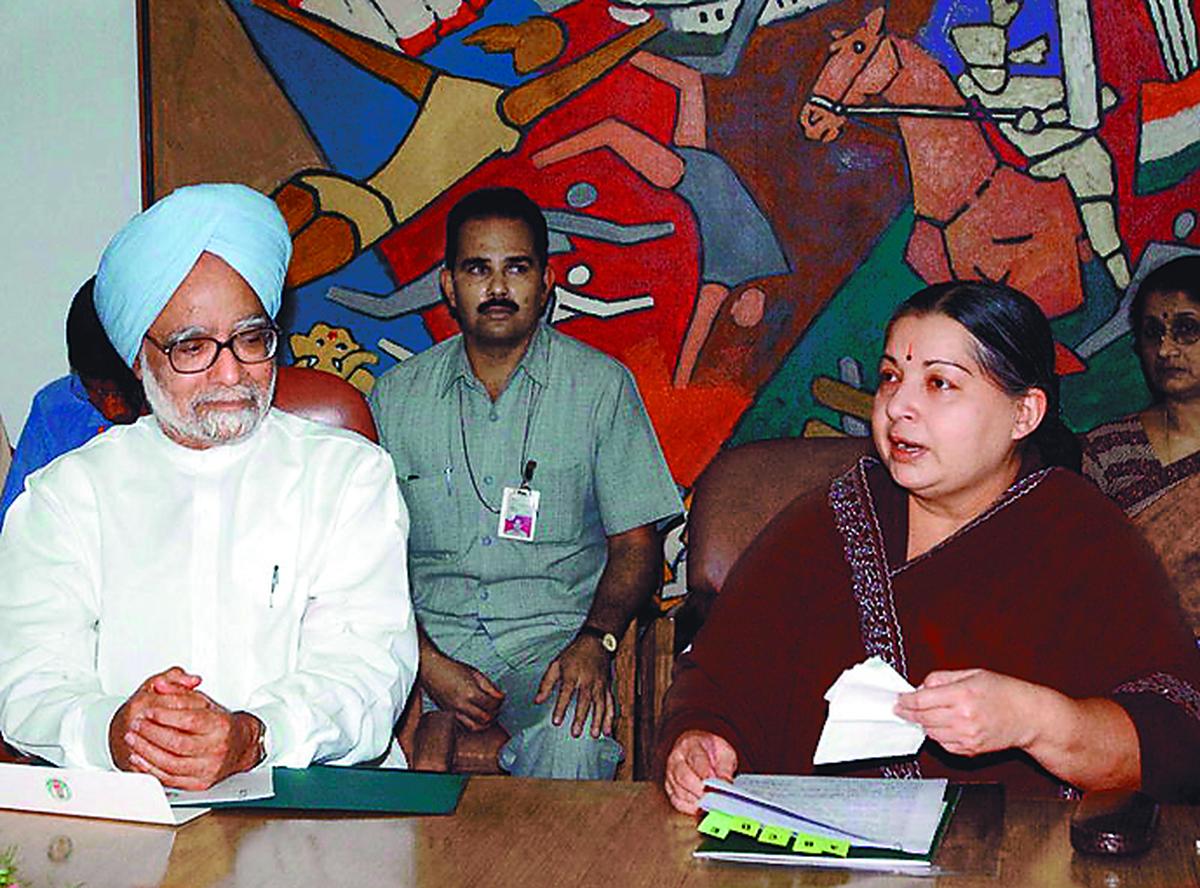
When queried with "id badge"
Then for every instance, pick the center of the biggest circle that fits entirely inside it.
(518, 514)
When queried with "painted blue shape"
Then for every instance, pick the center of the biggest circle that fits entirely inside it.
(470, 61)
(367, 273)
(1037, 17)
(581, 195)
(355, 118)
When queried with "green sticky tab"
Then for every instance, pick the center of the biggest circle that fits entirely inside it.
(745, 826)
(806, 844)
(837, 847)
(715, 824)
(775, 835)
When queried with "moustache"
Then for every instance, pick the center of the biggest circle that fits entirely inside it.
(497, 303)
(240, 392)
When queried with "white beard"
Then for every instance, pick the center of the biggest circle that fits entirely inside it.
(201, 428)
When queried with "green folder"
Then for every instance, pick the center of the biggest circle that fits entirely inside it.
(373, 790)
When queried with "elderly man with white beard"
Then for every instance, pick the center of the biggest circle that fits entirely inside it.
(219, 585)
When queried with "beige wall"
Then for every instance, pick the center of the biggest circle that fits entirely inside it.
(68, 171)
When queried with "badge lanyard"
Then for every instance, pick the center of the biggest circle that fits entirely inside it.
(527, 465)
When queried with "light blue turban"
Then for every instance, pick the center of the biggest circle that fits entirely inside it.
(147, 260)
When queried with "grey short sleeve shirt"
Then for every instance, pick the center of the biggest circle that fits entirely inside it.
(599, 471)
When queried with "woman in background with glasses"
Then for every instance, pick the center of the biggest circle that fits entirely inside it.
(1140, 458)
(1136, 458)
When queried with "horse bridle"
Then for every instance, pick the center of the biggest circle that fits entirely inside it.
(838, 106)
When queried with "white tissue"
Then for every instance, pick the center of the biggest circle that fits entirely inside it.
(861, 723)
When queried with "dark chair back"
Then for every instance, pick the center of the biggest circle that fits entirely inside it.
(324, 398)
(736, 496)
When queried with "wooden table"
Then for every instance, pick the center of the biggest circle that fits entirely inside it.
(518, 832)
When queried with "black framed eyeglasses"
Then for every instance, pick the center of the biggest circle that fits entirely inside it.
(195, 354)
(1184, 329)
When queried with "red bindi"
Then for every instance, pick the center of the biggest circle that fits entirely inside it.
(908, 356)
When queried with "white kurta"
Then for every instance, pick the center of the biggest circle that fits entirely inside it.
(274, 569)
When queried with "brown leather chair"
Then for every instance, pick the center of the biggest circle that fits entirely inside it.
(328, 399)
(736, 496)
(324, 398)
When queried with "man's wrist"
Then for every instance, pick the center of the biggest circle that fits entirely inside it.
(608, 640)
(256, 745)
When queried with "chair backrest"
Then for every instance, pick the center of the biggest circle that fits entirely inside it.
(737, 495)
(324, 398)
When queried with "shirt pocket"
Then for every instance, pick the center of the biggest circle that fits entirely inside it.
(435, 525)
(563, 504)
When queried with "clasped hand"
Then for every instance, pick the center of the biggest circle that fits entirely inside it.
(974, 711)
(171, 730)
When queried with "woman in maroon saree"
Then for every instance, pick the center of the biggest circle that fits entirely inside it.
(1049, 651)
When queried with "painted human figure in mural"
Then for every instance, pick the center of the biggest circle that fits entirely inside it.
(461, 123)
(977, 218)
(1043, 129)
(737, 244)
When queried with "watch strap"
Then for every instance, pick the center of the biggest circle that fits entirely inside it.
(607, 640)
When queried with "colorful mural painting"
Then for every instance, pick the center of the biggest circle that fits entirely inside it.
(738, 191)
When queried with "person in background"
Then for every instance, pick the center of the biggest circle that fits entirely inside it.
(1049, 652)
(100, 391)
(1136, 458)
(536, 485)
(1149, 462)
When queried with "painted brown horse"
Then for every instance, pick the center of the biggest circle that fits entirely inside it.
(976, 217)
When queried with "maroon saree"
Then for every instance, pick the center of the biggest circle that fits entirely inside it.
(1051, 584)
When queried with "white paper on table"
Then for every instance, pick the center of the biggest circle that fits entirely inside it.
(861, 723)
(77, 792)
(244, 787)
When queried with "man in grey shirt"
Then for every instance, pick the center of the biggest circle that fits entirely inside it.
(535, 485)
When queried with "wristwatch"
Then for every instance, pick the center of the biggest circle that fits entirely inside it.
(608, 641)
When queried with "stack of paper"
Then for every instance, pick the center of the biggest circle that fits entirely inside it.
(823, 821)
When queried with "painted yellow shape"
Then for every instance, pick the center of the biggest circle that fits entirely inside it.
(369, 212)
(816, 428)
(837, 395)
(457, 128)
(334, 350)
